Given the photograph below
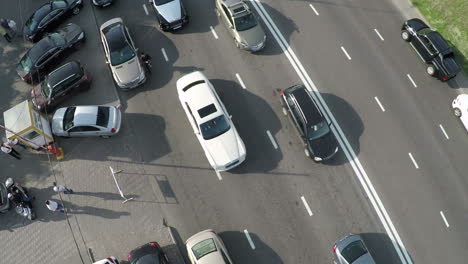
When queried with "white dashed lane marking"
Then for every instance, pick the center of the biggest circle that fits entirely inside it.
(240, 81)
(378, 34)
(345, 52)
(273, 142)
(146, 10)
(214, 32)
(411, 79)
(379, 103)
(443, 131)
(413, 160)
(311, 6)
(445, 219)
(306, 205)
(164, 54)
(252, 245)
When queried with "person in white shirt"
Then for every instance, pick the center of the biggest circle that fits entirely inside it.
(61, 188)
(54, 206)
(6, 148)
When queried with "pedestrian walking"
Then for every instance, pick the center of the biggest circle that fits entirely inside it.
(61, 188)
(5, 29)
(13, 27)
(10, 151)
(13, 142)
(54, 206)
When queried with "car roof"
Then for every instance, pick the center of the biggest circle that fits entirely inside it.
(42, 11)
(115, 36)
(438, 40)
(211, 258)
(85, 115)
(63, 72)
(41, 48)
(237, 7)
(311, 111)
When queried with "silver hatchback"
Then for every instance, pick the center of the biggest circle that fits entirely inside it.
(352, 250)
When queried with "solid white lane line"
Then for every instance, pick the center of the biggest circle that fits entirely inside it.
(252, 245)
(219, 175)
(240, 80)
(411, 79)
(380, 104)
(272, 140)
(445, 220)
(146, 10)
(346, 53)
(351, 156)
(443, 131)
(306, 205)
(311, 6)
(380, 36)
(214, 32)
(164, 54)
(413, 160)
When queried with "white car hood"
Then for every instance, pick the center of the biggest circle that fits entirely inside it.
(224, 148)
(170, 11)
(128, 71)
(57, 121)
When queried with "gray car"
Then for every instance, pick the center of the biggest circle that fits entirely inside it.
(352, 250)
(242, 24)
(171, 14)
(86, 121)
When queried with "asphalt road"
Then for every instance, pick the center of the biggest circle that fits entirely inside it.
(354, 57)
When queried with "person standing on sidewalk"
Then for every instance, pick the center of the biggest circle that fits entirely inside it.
(5, 29)
(6, 148)
(13, 142)
(54, 206)
(61, 188)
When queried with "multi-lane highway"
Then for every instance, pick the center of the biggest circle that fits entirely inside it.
(398, 179)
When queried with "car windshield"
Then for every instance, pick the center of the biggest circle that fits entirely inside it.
(46, 90)
(26, 63)
(215, 127)
(353, 251)
(162, 2)
(68, 118)
(318, 130)
(204, 248)
(57, 39)
(245, 22)
(121, 55)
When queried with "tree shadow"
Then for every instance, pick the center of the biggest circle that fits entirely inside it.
(241, 252)
(381, 248)
(130, 143)
(251, 115)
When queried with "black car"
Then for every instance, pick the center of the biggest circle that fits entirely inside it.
(49, 15)
(46, 53)
(314, 130)
(149, 253)
(171, 14)
(62, 82)
(432, 48)
(102, 3)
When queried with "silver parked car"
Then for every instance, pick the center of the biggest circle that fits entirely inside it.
(352, 250)
(206, 247)
(171, 14)
(86, 121)
(121, 54)
(242, 24)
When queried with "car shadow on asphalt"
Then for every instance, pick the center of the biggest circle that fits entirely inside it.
(240, 250)
(142, 138)
(252, 116)
(349, 121)
(381, 248)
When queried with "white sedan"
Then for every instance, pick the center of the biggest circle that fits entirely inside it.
(211, 122)
(460, 108)
(206, 247)
(86, 121)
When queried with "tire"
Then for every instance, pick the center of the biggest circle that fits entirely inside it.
(430, 70)
(405, 35)
(457, 112)
(285, 111)
(76, 10)
(307, 153)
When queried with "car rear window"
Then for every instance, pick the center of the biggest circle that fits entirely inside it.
(102, 116)
(203, 248)
(207, 110)
(353, 251)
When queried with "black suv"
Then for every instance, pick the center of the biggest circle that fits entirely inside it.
(314, 130)
(432, 48)
(61, 83)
